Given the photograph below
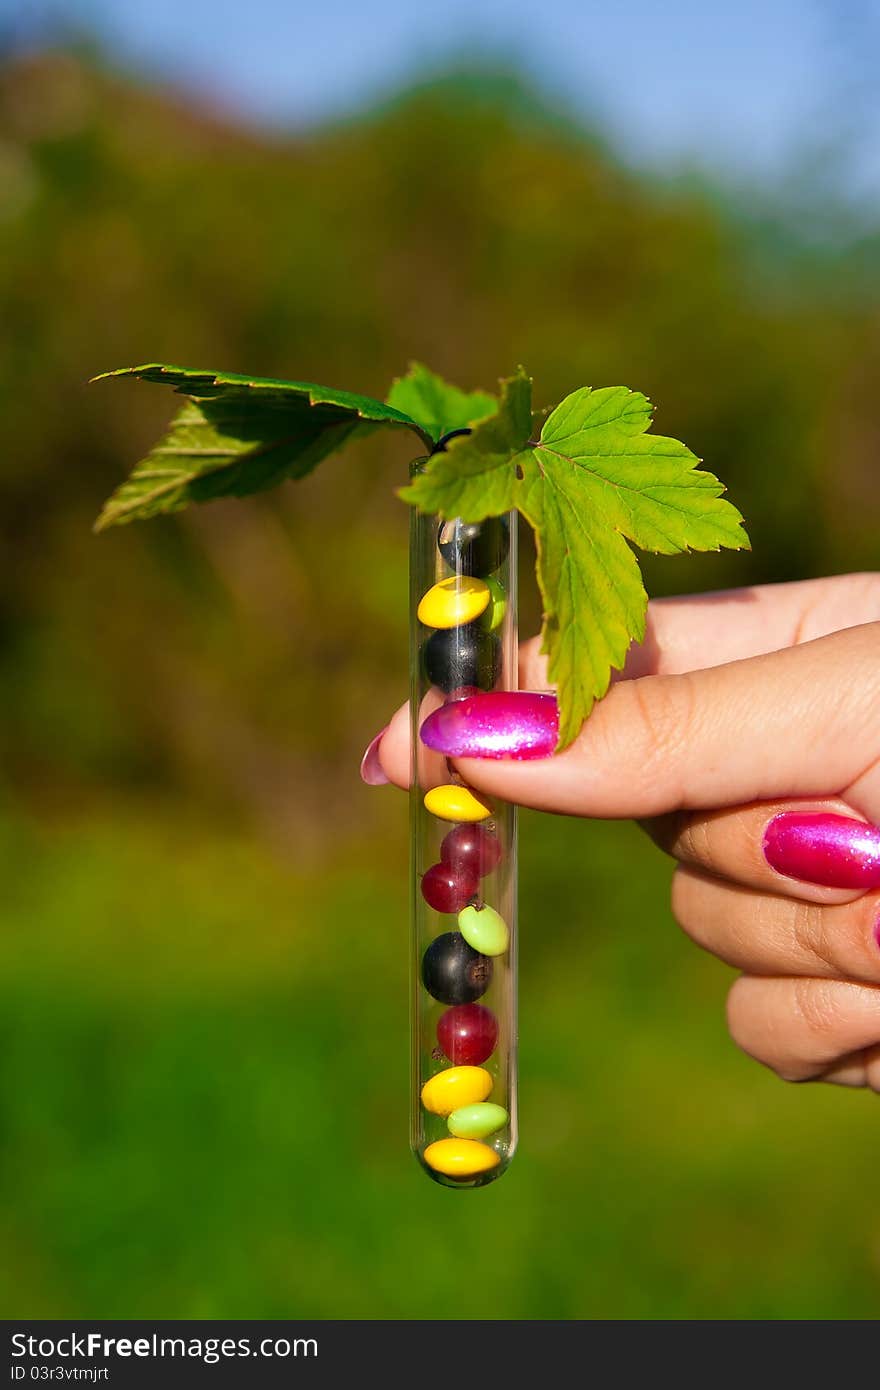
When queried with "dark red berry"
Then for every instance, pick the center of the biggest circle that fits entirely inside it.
(447, 888)
(471, 847)
(468, 1034)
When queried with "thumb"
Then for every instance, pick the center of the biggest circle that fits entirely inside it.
(799, 722)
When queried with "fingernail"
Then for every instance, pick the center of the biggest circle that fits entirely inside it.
(833, 851)
(515, 724)
(371, 768)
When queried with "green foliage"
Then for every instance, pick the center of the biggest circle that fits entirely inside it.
(237, 435)
(475, 476)
(438, 405)
(594, 480)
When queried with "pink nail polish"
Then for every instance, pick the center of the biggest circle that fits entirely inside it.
(371, 768)
(516, 724)
(833, 851)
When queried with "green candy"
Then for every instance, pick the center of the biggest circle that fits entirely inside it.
(484, 929)
(493, 615)
(477, 1121)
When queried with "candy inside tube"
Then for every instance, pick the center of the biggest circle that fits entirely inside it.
(463, 855)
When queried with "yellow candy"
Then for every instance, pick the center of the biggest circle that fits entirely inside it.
(455, 803)
(460, 1158)
(454, 601)
(457, 1086)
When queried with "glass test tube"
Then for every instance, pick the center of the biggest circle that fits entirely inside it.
(463, 639)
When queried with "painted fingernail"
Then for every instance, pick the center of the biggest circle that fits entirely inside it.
(514, 724)
(833, 851)
(371, 768)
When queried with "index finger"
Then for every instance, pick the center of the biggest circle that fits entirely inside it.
(794, 723)
(699, 631)
(691, 632)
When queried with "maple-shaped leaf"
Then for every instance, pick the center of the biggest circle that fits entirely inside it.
(594, 480)
(238, 435)
(476, 474)
(438, 405)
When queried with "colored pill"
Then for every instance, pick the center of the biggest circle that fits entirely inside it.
(493, 614)
(452, 802)
(484, 929)
(457, 600)
(477, 1121)
(457, 1086)
(460, 1158)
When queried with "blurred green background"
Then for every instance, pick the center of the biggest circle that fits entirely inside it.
(203, 1031)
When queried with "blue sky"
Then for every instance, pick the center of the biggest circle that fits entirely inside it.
(744, 84)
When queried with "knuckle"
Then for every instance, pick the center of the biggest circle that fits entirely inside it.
(656, 718)
(839, 941)
(661, 708)
(811, 937)
(696, 843)
(858, 925)
(741, 1026)
(817, 1006)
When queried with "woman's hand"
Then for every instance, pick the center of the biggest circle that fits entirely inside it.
(745, 735)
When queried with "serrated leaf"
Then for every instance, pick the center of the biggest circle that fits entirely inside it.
(644, 485)
(438, 405)
(238, 435)
(595, 480)
(476, 474)
(593, 597)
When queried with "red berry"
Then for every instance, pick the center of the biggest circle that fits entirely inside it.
(468, 1034)
(447, 888)
(471, 847)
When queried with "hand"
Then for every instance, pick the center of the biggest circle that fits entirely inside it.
(745, 735)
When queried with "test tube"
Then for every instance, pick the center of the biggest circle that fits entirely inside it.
(463, 640)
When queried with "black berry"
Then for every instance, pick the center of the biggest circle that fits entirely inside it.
(467, 655)
(474, 547)
(453, 972)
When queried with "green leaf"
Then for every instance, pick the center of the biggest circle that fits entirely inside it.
(593, 481)
(476, 474)
(437, 405)
(238, 435)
